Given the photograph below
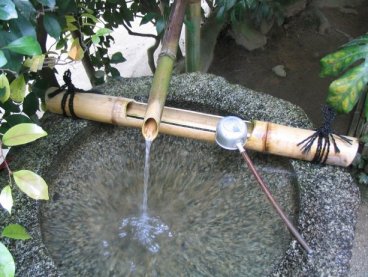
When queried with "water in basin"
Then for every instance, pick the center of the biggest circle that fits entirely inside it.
(208, 215)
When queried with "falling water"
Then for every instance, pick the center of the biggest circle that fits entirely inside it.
(145, 228)
(146, 176)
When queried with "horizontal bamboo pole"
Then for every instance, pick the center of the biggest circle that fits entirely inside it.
(264, 137)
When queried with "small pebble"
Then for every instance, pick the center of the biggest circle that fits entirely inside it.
(279, 70)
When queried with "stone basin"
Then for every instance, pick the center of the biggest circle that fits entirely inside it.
(322, 200)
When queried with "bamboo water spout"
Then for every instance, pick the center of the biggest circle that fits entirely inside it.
(262, 136)
(165, 64)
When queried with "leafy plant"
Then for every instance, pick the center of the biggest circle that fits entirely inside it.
(27, 181)
(258, 10)
(352, 59)
(7, 265)
(350, 65)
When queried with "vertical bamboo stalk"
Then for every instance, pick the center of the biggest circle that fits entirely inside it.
(165, 64)
(193, 37)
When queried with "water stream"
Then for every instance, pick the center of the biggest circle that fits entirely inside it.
(201, 213)
(146, 175)
(145, 228)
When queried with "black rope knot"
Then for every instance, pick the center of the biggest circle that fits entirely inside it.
(70, 91)
(324, 137)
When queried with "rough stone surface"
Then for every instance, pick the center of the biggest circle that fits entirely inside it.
(328, 196)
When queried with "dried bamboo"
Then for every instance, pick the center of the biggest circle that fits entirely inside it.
(193, 37)
(165, 64)
(264, 137)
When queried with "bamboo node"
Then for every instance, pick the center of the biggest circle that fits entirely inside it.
(168, 53)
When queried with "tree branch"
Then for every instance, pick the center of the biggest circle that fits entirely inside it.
(150, 54)
(130, 32)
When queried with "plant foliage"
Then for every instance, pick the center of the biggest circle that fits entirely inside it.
(351, 60)
(350, 65)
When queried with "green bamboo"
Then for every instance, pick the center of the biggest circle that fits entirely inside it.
(165, 65)
(193, 37)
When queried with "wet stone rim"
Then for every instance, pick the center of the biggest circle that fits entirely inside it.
(329, 198)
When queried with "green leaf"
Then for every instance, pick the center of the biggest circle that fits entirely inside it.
(333, 64)
(7, 10)
(114, 72)
(31, 104)
(95, 39)
(10, 107)
(147, 18)
(27, 45)
(160, 25)
(71, 27)
(15, 231)
(15, 119)
(48, 3)
(35, 63)
(344, 92)
(31, 184)
(103, 32)
(3, 59)
(18, 89)
(14, 60)
(117, 58)
(90, 16)
(70, 19)
(25, 8)
(23, 133)
(363, 178)
(359, 40)
(7, 265)
(4, 88)
(52, 25)
(67, 6)
(6, 199)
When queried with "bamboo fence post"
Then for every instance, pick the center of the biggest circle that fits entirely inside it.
(165, 64)
(193, 37)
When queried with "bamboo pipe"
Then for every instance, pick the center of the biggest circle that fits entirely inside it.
(165, 64)
(193, 37)
(263, 136)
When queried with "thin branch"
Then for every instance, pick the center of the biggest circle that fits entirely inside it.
(130, 32)
(150, 54)
(9, 71)
(10, 173)
(210, 4)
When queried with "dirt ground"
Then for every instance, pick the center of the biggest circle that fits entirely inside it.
(298, 46)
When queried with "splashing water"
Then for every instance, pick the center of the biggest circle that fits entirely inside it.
(146, 228)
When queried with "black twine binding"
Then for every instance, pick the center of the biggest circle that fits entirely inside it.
(325, 137)
(70, 91)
